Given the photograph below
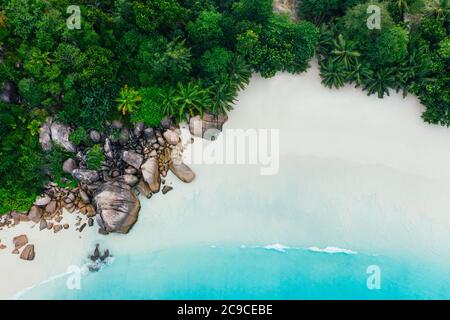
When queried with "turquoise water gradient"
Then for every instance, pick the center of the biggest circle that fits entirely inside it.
(250, 273)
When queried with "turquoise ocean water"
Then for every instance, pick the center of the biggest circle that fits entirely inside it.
(250, 273)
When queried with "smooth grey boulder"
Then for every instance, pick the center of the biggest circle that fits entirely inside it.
(117, 124)
(95, 136)
(107, 148)
(144, 189)
(124, 136)
(35, 214)
(28, 253)
(60, 135)
(45, 137)
(150, 173)
(9, 93)
(42, 201)
(138, 128)
(132, 158)
(85, 176)
(117, 207)
(171, 137)
(69, 165)
(182, 171)
(149, 134)
(166, 123)
(129, 179)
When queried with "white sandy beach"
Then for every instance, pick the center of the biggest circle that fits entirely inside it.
(340, 152)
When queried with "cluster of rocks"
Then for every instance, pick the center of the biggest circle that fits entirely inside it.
(98, 259)
(137, 161)
(47, 210)
(22, 248)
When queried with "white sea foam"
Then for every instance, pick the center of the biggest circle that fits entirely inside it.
(277, 247)
(332, 250)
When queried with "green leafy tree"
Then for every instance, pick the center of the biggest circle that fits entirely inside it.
(216, 63)
(151, 110)
(206, 31)
(259, 11)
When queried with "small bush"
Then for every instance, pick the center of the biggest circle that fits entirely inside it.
(79, 136)
(95, 157)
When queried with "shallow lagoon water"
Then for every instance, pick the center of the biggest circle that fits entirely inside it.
(251, 273)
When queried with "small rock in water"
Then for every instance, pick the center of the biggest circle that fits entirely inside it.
(102, 231)
(2, 246)
(82, 227)
(66, 226)
(90, 222)
(166, 189)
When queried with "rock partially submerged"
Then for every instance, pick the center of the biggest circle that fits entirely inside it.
(117, 207)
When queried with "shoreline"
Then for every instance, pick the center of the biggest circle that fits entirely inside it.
(317, 125)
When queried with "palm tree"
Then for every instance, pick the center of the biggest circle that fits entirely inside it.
(343, 51)
(223, 96)
(128, 100)
(358, 74)
(380, 82)
(438, 8)
(333, 74)
(326, 40)
(169, 107)
(191, 99)
(240, 73)
(403, 7)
